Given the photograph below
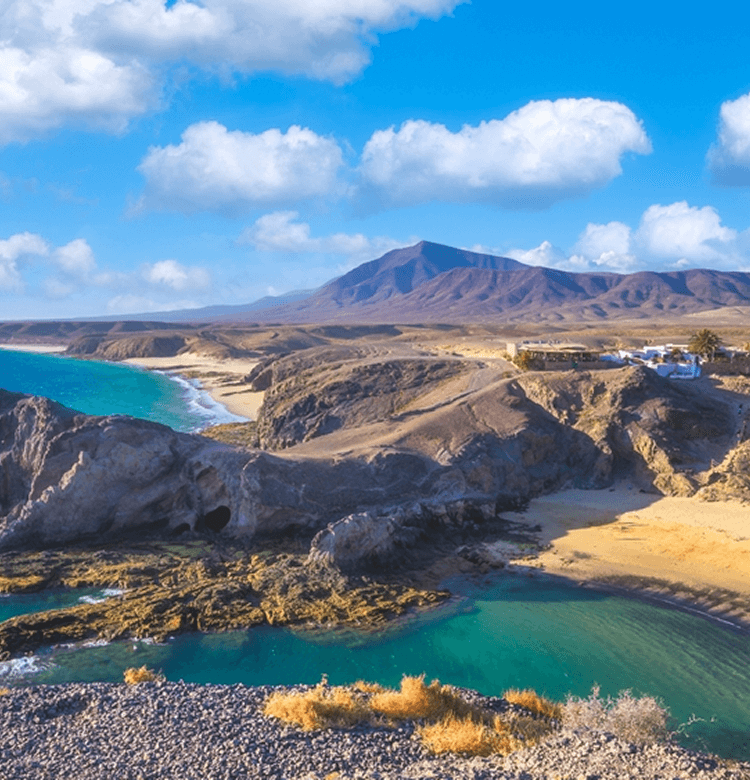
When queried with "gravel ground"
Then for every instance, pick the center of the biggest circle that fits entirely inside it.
(160, 731)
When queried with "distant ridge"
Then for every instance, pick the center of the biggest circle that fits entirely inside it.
(431, 282)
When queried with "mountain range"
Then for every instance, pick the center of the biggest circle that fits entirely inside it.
(431, 282)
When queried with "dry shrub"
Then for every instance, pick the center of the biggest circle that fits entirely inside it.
(467, 736)
(450, 724)
(320, 707)
(4, 691)
(640, 720)
(142, 674)
(417, 700)
(368, 687)
(527, 730)
(530, 700)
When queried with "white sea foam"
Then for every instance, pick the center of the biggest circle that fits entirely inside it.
(200, 403)
(92, 643)
(21, 667)
(92, 599)
(107, 593)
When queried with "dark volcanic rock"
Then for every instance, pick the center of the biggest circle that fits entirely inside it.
(66, 476)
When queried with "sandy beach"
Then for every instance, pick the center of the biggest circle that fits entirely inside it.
(41, 348)
(222, 379)
(654, 543)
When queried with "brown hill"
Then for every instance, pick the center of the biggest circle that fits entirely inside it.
(434, 283)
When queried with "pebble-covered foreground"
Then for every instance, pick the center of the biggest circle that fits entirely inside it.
(160, 731)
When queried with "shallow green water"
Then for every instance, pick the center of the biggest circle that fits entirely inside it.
(511, 632)
(26, 603)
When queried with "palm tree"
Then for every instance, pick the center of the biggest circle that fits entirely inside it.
(704, 343)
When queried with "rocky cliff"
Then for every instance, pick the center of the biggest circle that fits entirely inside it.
(414, 446)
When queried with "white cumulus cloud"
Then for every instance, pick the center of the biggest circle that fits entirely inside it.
(667, 238)
(47, 87)
(75, 258)
(682, 231)
(29, 264)
(281, 232)
(102, 62)
(13, 251)
(729, 158)
(541, 153)
(215, 169)
(177, 276)
(607, 247)
(545, 255)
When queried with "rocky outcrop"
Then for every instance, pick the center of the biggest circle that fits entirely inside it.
(325, 389)
(437, 473)
(67, 476)
(169, 589)
(656, 431)
(121, 348)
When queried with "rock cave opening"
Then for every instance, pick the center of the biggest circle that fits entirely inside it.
(216, 519)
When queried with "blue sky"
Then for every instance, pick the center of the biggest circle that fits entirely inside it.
(157, 156)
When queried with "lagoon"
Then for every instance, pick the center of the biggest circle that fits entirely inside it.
(505, 631)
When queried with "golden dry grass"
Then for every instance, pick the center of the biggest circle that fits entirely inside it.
(468, 737)
(417, 700)
(320, 707)
(142, 674)
(449, 723)
(4, 691)
(367, 687)
(530, 700)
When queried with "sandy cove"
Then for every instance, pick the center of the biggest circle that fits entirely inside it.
(677, 548)
(220, 378)
(680, 549)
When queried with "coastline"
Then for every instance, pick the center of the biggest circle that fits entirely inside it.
(40, 348)
(221, 378)
(214, 386)
(692, 554)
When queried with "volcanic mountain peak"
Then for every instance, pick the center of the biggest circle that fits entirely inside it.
(401, 271)
(431, 282)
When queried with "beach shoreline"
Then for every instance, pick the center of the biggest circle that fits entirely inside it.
(221, 378)
(676, 551)
(681, 551)
(40, 348)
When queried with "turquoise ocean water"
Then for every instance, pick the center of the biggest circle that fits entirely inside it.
(508, 631)
(95, 387)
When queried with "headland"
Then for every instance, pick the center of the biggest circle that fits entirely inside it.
(411, 445)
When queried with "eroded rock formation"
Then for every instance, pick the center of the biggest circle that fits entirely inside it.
(396, 477)
(66, 476)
